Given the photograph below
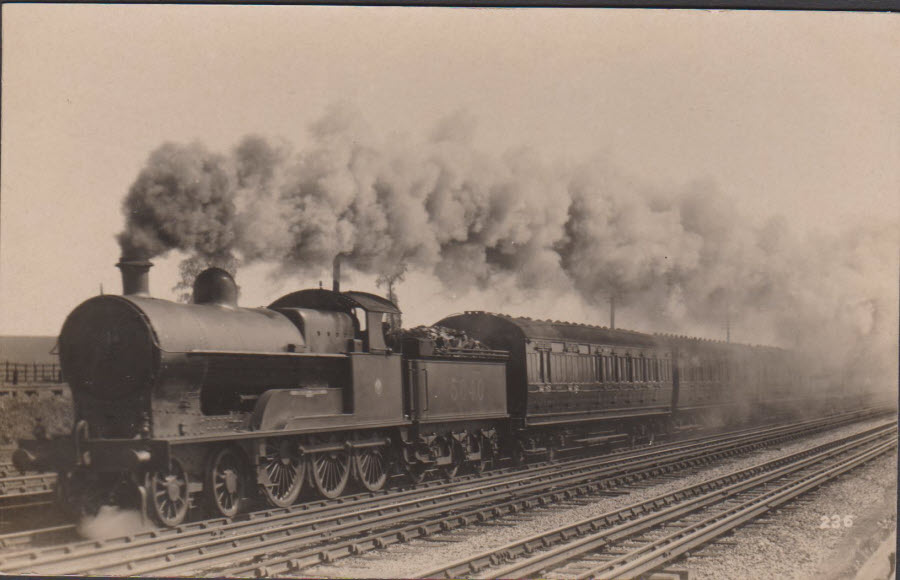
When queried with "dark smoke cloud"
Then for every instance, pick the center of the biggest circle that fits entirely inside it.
(681, 258)
(183, 199)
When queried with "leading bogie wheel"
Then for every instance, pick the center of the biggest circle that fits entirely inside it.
(416, 472)
(519, 457)
(167, 494)
(452, 449)
(225, 481)
(77, 495)
(330, 472)
(281, 472)
(481, 445)
(372, 467)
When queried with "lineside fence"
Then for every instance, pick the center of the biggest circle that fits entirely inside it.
(28, 374)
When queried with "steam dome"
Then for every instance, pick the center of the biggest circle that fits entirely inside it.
(215, 286)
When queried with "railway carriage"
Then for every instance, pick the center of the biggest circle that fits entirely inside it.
(574, 385)
(711, 380)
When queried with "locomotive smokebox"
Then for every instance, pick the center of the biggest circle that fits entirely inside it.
(135, 276)
(215, 286)
(336, 274)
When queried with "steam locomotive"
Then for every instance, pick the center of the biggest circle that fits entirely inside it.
(182, 405)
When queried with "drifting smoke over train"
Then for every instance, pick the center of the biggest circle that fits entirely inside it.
(679, 259)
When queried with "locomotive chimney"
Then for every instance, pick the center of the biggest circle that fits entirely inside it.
(135, 276)
(336, 274)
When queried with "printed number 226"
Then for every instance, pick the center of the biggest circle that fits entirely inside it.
(835, 522)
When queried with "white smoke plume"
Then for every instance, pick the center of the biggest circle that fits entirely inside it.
(682, 258)
(112, 522)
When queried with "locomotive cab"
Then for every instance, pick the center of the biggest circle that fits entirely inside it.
(318, 312)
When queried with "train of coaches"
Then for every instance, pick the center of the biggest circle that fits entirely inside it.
(210, 405)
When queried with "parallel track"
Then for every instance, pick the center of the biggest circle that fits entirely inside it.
(25, 492)
(36, 537)
(646, 536)
(287, 540)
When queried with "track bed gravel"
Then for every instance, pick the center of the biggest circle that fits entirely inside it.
(404, 560)
(807, 540)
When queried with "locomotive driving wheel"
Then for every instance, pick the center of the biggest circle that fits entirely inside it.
(168, 494)
(330, 472)
(281, 472)
(372, 466)
(224, 485)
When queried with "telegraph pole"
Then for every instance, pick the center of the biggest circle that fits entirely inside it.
(727, 322)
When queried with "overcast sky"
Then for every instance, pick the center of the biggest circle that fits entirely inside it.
(792, 113)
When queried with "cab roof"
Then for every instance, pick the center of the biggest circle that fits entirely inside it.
(321, 299)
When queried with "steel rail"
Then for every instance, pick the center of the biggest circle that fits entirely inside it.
(293, 537)
(26, 492)
(214, 529)
(607, 529)
(674, 546)
(16, 540)
(314, 528)
(295, 561)
(27, 484)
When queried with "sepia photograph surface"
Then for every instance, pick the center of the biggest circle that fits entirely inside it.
(428, 292)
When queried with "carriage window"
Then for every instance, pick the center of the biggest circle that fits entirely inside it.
(534, 367)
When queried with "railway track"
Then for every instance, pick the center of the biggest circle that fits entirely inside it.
(288, 540)
(646, 536)
(25, 491)
(36, 537)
